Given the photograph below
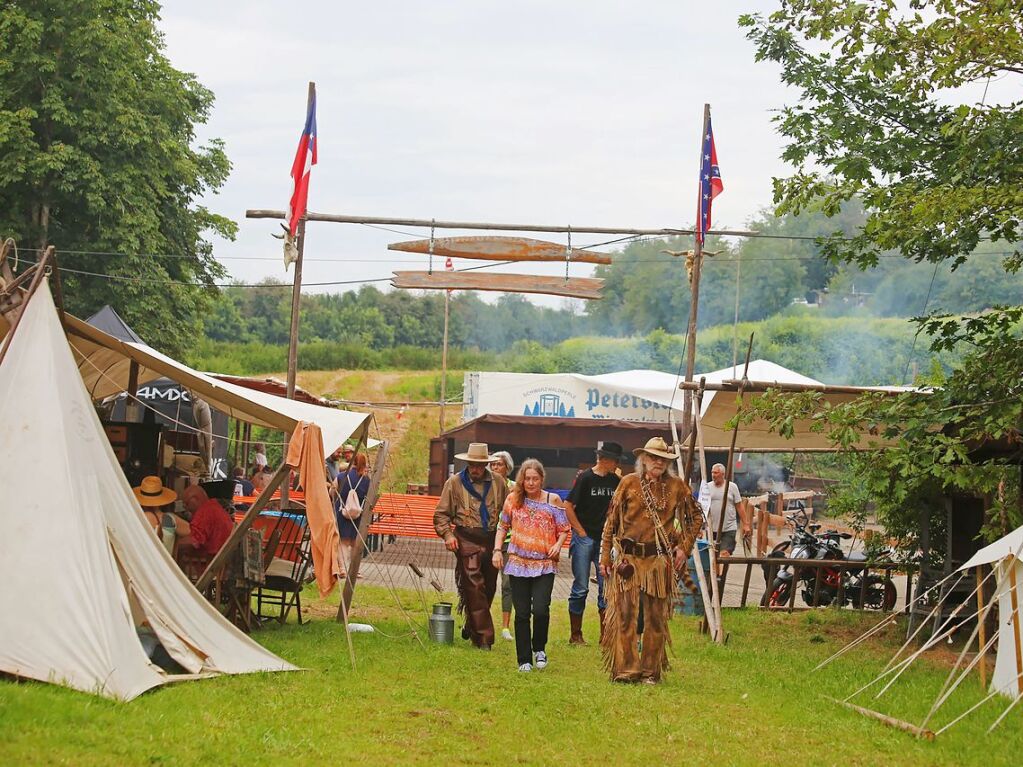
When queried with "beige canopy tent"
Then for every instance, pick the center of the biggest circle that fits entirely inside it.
(105, 362)
(81, 571)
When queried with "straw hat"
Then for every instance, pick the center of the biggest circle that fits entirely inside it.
(151, 492)
(657, 446)
(477, 453)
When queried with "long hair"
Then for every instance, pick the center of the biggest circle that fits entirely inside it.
(518, 492)
(643, 466)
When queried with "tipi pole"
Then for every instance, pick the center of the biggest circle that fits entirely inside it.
(889, 720)
(1014, 601)
(37, 278)
(980, 640)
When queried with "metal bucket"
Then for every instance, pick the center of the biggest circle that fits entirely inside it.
(442, 623)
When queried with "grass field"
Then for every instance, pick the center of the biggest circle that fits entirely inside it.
(752, 702)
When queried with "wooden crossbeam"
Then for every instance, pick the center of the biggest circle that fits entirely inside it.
(501, 249)
(573, 287)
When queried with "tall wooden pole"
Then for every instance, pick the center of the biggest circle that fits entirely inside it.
(296, 291)
(694, 296)
(444, 360)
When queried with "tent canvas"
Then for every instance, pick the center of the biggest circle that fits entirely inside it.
(80, 566)
(1003, 556)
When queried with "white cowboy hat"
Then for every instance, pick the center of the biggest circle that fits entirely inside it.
(657, 446)
(477, 453)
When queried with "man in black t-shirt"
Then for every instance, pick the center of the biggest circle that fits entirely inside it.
(586, 507)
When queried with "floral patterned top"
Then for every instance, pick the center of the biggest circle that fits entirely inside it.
(535, 527)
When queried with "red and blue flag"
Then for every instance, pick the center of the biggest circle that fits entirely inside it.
(305, 159)
(710, 183)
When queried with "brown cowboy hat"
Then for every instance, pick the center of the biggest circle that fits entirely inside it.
(657, 446)
(477, 453)
(151, 492)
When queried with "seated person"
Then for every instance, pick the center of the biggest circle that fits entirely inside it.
(210, 526)
(261, 478)
(242, 486)
(155, 500)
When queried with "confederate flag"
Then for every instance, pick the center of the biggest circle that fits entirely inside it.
(710, 183)
(305, 158)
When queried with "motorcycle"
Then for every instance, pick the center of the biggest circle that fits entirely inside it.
(806, 544)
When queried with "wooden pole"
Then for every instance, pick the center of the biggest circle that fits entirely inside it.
(982, 663)
(372, 495)
(889, 720)
(694, 294)
(296, 291)
(444, 360)
(37, 278)
(735, 322)
(241, 528)
(340, 218)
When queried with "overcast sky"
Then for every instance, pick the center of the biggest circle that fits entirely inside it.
(582, 113)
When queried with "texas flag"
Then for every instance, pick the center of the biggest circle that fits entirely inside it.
(305, 159)
(710, 183)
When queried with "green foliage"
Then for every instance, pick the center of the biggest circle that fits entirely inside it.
(878, 119)
(97, 156)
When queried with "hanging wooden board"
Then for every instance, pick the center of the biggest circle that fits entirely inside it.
(500, 249)
(573, 287)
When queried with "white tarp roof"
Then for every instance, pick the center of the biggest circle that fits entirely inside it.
(79, 564)
(104, 363)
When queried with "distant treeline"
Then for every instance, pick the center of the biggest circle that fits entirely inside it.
(833, 350)
(777, 276)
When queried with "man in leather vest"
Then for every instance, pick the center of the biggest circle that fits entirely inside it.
(466, 517)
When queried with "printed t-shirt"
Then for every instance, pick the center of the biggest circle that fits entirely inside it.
(535, 527)
(591, 495)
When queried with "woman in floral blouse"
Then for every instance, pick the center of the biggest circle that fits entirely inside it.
(538, 528)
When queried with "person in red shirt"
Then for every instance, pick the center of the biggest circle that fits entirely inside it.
(210, 525)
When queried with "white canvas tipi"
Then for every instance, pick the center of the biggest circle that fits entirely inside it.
(80, 570)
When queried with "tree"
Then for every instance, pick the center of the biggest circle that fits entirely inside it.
(877, 120)
(97, 157)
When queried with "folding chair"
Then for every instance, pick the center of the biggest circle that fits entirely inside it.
(288, 558)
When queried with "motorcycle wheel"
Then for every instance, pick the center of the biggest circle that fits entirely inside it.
(778, 595)
(880, 594)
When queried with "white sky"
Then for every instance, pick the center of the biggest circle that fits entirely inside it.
(582, 113)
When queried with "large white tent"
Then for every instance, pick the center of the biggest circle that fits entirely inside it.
(80, 569)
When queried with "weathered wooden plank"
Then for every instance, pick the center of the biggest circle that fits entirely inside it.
(573, 287)
(499, 249)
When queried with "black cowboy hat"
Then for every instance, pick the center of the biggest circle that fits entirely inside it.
(610, 450)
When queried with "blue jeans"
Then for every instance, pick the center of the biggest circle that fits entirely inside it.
(584, 552)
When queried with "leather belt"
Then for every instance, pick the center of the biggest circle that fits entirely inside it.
(638, 548)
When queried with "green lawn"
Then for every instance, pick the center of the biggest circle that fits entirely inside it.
(752, 702)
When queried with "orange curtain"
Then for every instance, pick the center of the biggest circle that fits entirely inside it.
(305, 453)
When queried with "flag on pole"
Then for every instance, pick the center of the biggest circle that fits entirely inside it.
(305, 159)
(710, 183)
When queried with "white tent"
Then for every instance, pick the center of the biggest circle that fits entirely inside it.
(79, 565)
(1003, 557)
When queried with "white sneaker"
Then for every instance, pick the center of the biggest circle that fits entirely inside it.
(506, 634)
(541, 660)
(525, 668)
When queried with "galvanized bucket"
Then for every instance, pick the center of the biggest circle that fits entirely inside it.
(442, 623)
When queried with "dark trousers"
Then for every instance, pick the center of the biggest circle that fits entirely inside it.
(531, 596)
(476, 581)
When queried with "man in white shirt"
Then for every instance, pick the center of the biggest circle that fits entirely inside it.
(717, 490)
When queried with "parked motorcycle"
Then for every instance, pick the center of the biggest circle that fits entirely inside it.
(805, 543)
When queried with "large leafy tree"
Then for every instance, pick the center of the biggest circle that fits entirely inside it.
(97, 157)
(891, 111)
